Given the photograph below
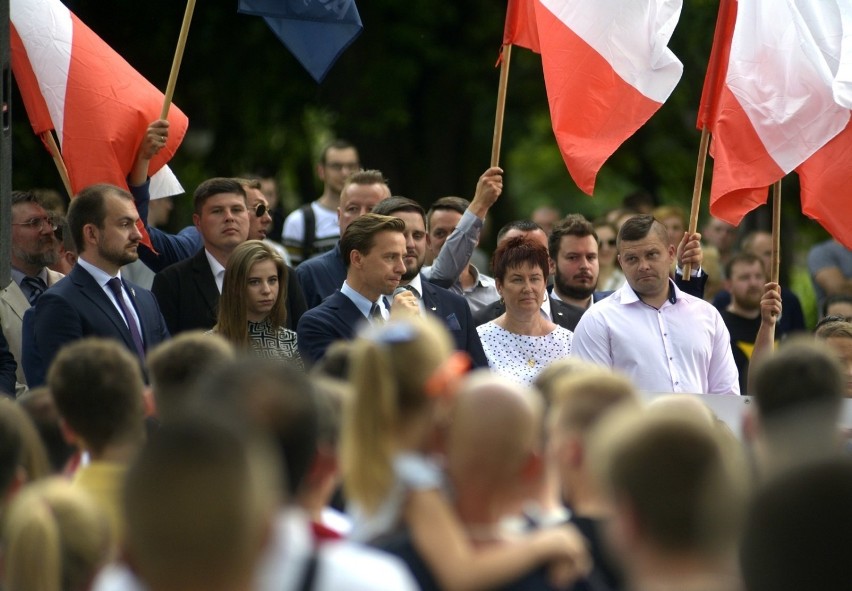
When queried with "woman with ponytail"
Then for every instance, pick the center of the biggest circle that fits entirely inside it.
(404, 375)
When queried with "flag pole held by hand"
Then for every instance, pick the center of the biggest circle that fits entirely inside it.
(184, 32)
(696, 192)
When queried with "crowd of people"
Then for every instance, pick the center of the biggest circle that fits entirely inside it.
(345, 399)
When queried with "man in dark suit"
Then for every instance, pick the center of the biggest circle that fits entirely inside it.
(322, 275)
(188, 291)
(573, 247)
(451, 308)
(373, 248)
(93, 300)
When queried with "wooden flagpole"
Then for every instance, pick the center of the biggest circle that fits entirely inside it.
(184, 32)
(50, 142)
(703, 147)
(776, 232)
(505, 57)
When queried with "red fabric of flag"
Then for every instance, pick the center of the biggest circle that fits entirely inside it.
(74, 83)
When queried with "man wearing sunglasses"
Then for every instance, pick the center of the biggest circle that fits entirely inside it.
(33, 251)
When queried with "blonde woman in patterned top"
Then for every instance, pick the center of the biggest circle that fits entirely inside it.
(252, 309)
(522, 342)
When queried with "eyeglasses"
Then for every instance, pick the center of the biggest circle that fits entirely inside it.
(611, 242)
(260, 210)
(826, 319)
(37, 224)
(338, 166)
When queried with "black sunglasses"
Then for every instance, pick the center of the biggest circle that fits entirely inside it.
(610, 242)
(260, 209)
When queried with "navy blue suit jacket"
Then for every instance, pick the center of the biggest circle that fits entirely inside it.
(335, 319)
(321, 276)
(453, 310)
(77, 307)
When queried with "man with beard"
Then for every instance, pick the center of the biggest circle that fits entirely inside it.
(745, 281)
(451, 308)
(33, 251)
(93, 300)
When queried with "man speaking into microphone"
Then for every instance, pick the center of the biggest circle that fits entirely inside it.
(450, 308)
(383, 251)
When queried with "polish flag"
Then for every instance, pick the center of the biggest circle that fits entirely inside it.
(784, 104)
(100, 107)
(607, 69)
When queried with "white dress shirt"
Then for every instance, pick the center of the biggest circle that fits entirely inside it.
(682, 347)
(217, 269)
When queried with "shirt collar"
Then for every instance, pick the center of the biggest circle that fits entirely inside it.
(363, 304)
(217, 268)
(100, 276)
(628, 296)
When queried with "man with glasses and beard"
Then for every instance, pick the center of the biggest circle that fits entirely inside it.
(33, 251)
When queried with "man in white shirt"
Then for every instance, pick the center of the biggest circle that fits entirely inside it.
(663, 339)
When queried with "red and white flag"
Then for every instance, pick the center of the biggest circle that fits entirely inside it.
(782, 103)
(607, 69)
(74, 83)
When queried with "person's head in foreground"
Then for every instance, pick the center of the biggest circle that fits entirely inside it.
(677, 490)
(798, 393)
(798, 534)
(55, 538)
(198, 502)
(400, 373)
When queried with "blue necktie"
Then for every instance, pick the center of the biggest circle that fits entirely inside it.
(115, 286)
(37, 287)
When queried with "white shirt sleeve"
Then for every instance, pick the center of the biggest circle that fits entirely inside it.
(591, 339)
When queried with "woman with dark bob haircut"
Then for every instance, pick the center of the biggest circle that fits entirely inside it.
(521, 342)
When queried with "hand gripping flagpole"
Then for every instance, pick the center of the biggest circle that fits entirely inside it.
(184, 32)
(696, 192)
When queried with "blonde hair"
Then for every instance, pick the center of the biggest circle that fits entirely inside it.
(390, 367)
(20, 445)
(232, 321)
(55, 538)
(582, 398)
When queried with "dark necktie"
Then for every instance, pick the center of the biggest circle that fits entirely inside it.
(37, 287)
(376, 314)
(115, 286)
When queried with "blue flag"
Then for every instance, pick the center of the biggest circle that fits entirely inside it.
(315, 31)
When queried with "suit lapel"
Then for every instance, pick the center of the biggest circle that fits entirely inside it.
(430, 300)
(16, 299)
(205, 281)
(90, 289)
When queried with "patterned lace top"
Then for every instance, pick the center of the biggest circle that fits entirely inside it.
(274, 342)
